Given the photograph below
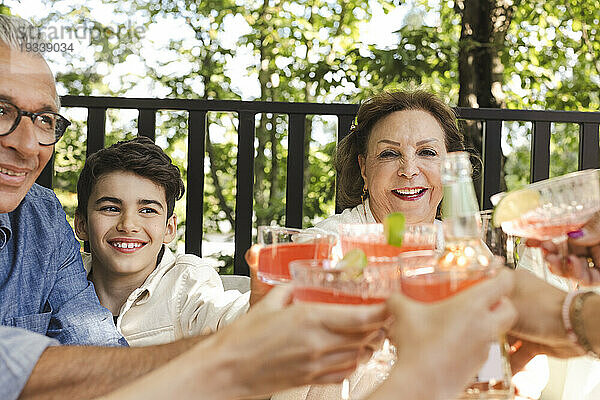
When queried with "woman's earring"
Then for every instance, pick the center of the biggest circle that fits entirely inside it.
(363, 196)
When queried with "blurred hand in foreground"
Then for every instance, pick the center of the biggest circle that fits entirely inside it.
(539, 328)
(278, 345)
(452, 336)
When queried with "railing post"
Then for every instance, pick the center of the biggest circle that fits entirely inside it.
(45, 178)
(540, 151)
(195, 183)
(294, 189)
(96, 125)
(244, 191)
(492, 161)
(147, 123)
(588, 146)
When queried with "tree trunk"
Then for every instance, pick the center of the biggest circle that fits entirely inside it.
(484, 24)
(229, 212)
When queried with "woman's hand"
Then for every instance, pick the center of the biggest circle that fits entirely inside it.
(582, 263)
(441, 345)
(539, 327)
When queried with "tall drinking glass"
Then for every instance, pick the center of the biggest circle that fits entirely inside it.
(424, 279)
(499, 242)
(319, 281)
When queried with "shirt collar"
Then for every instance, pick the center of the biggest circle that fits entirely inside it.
(4, 230)
(369, 218)
(144, 292)
(153, 280)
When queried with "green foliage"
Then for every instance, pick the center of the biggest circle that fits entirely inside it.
(311, 50)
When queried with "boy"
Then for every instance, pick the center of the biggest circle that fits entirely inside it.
(126, 196)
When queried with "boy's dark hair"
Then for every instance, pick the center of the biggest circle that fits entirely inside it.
(140, 156)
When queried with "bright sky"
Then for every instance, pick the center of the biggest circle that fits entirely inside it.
(378, 31)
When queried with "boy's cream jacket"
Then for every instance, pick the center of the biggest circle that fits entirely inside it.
(183, 296)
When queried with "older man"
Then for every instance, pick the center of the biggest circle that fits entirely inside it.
(44, 288)
(46, 299)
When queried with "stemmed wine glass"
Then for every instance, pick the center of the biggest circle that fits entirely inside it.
(427, 280)
(371, 239)
(551, 209)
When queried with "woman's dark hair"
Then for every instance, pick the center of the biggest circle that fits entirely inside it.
(350, 180)
(139, 156)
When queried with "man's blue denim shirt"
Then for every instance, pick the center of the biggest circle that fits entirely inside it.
(43, 286)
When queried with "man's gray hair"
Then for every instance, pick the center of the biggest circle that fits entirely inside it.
(20, 35)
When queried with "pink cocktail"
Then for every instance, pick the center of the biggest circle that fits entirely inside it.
(320, 281)
(438, 285)
(563, 205)
(278, 246)
(370, 238)
(317, 295)
(424, 280)
(538, 224)
(273, 260)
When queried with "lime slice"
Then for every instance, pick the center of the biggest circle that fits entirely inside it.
(353, 263)
(515, 204)
(393, 228)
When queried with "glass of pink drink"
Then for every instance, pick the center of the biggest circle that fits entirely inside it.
(319, 281)
(425, 279)
(370, 238)
(278, 246)
(564, 205)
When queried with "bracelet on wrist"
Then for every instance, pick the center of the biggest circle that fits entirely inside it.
(577, 323)
(566, 307)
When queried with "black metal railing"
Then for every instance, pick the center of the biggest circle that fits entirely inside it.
(492, 119)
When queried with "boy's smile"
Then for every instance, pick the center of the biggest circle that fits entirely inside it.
(126, 224)
(126, 245)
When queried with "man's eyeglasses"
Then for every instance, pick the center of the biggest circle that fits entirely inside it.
(50, 126)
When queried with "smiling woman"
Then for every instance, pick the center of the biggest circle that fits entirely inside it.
(390, 161)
